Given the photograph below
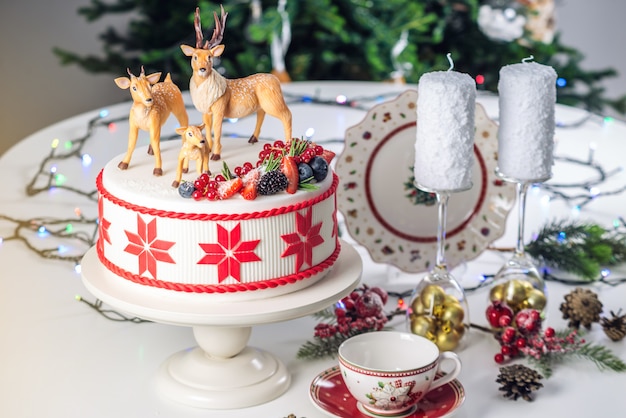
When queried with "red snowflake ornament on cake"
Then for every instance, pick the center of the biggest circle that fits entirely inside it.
(147, 247)
(302, 242)
(103, 224)
(229, 252)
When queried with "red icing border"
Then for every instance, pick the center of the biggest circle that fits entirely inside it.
(213, 217)
(230, 288)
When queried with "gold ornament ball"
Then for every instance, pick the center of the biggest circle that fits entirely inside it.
(447, 341)
(536, 299)
(423, 325)
(496, 294)
(453, 313)
(448, 299)
(417, 307)
(432, 295)
(514, 293)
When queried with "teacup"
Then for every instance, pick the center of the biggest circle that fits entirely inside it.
(389, 372)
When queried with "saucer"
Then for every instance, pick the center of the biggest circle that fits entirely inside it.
(329, 393)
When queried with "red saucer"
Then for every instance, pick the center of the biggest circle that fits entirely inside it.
(329, 393)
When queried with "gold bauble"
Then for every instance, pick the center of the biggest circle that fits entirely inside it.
(536, 299)
(432, 295)
(423, 325)
(417, 307)
(448, 299)
(514, 294)
(497, 293)
(447, 341)
(453, 313)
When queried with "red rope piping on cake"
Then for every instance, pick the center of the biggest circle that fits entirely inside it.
(230, 288)
(214, 217)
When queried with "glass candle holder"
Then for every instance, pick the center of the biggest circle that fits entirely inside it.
(438, 307)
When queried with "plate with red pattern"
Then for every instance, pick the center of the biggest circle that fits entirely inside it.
(395, 221)
(329, 393)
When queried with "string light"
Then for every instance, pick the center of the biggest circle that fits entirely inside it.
(104, 113)
(341, 99)
(480, 79)
(561, 82)
(55, 143)
(309, 133)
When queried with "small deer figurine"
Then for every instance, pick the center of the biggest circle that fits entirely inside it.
(195, 148)
(152, 104)
(217, 97)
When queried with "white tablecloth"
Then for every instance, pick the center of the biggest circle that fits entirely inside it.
(59, 358)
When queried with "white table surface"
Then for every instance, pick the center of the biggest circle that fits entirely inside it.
(58, 358)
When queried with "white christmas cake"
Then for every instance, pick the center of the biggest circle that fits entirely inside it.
(248, 234)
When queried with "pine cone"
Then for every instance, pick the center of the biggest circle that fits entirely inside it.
(581, 307)
(614, 328)
(518, 381)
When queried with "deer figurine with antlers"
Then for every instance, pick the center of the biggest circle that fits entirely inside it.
(152, 104)
(217, 97)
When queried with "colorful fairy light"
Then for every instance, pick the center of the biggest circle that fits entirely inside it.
(55, 143)
(309, 133)
(480, 79)
(341, 99)
(104, 113)
(87, 160)
(561, 82)
(68, 145)
(112, 127)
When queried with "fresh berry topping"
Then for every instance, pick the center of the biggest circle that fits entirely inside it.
(250, 184)
(289, 168)
(272, 182)
(328, 155)
(228, 188)
(220, 178)
(319, 167)
(197, 195)
(305, 172)
(186, 189)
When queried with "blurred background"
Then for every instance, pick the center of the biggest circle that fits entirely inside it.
(37, 90)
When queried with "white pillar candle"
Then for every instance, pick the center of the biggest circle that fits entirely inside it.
(444, 146)
(526, 133)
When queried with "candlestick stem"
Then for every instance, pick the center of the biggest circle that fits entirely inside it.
(522, 190)
(442, 216)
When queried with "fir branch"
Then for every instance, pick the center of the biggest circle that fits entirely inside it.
(601, 356)
(578, 247)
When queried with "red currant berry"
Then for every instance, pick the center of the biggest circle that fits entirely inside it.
(318, 149)
(197, 195)
(267, 146)
(219, 177)
(248, 166)
(520, 343)
(549, 332)
(505, 350)
(279, 144)
(199, 184)
(238, 171)
(211, 194)
(499, 358)
(212, 185)
(205, 177)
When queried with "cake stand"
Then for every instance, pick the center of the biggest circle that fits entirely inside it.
(222, 372)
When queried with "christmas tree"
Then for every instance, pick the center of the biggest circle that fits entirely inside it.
(372, 40)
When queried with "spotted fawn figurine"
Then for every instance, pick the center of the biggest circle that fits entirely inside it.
(217, 97)
(194, 148)
(153, 102)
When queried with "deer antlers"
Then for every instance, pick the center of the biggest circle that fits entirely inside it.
(218, 32)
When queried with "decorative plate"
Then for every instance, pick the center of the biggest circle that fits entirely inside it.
(329, 393)
(397, 222)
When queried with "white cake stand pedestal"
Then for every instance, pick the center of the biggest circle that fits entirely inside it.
(222, 372)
